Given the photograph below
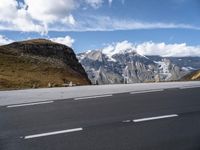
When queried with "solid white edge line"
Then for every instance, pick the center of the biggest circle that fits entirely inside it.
(90, 97)
(53, 133)
(29, 104)
(147, 91)
(155, 118)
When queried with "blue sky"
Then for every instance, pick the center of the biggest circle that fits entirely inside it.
(94, 24)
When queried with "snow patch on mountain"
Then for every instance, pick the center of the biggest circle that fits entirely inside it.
(113, 66)
(164, 69)
(188, 68)
(122, 62)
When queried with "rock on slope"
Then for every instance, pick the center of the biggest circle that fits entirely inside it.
(188, 62)
(39, 63)
(195, 75)
(127, 66)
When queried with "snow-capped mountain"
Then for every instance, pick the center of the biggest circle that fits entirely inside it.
(127, 66)
(188, 63)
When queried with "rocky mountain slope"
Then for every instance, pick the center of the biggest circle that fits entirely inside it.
(127, 66)
(190, 63)
(195, 75)
(39, 63)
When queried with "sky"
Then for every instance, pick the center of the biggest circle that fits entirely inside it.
(161, 27)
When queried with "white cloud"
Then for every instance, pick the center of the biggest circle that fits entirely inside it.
(57, 15)
(118, 47)
(6, 6)
(4, 40)
(94, 3)
(67, 40)
(151, 48)
(49, 11)
(69, 19)
(105, 23)
(14, 16)
(41, 15)
(163, 49)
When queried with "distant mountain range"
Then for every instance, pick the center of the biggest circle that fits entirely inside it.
(43, 63)
(127, 66)
(39, 63)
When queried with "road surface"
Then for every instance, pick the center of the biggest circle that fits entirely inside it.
(161, 119)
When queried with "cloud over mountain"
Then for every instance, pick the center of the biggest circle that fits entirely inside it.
(151, 48)
(4, 40)
(67, 40)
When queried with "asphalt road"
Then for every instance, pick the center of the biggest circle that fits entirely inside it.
(154, 120)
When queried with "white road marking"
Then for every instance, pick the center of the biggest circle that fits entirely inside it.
(155, 118)
(53, 133)
(147, 91)
(91, 97)
(29, 104)
(189, 87)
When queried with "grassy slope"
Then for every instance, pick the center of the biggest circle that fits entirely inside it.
(23, 72)
(193, 76)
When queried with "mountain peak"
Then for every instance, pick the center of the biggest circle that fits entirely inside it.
(117, 65)
(36, 41)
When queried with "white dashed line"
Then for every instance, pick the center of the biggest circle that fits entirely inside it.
(29, 104)
(155, 118)
(52, 133)
(91, 97)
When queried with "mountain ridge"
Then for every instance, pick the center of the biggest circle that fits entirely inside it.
(128, 66)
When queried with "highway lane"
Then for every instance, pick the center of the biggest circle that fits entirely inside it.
(181, 133)
(105, 118)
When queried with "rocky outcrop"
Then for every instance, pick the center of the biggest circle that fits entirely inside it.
(195, 75)
(188, 63)
(39, 63)
(127, 66)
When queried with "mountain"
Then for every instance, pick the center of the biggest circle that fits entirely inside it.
(127, 66)
(39, 63)
(195, 75)
(190, 63)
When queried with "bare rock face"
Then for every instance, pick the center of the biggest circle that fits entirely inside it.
(39, 62)
(138, 72)
(194, 76)
(128, 67)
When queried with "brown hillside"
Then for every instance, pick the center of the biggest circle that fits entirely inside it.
(192, 76)
(36, 63)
